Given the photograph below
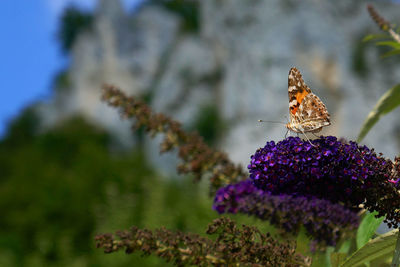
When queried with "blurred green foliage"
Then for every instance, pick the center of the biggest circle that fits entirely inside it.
(359, 62)
(73, 22)
(61, 82)
(208, 123)
(187, 10)
(60, 188)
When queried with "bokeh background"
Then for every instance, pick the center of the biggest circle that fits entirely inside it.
(70, 168)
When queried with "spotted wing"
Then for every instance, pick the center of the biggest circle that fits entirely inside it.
(312, 114)
(297, 91)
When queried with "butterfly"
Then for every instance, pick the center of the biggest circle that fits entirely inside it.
(306, 110)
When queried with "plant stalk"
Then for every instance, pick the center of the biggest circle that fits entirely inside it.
(396, 254)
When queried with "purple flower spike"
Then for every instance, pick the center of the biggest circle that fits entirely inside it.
(333, 170)
(324, 221)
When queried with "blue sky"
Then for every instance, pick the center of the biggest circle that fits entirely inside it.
(29, 52)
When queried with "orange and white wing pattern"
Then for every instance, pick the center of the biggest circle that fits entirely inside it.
(307, 112)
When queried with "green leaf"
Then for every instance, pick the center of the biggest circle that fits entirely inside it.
(384, 260)
(389, 101)
(374, 249)
(367, 228)
(337, 258)
(345, 247)
(391, 53)
(370, 37)
(389, 43)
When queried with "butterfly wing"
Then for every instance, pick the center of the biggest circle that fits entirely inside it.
(305, 108)
(313, 114)
(297, 91)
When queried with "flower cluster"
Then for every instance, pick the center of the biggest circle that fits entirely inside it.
(324, 221)
(318, 185)
(233, 246)
(328, 169)
(341, 172)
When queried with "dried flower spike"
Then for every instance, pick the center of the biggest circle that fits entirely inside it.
(197, 158)
(382, 23)
(233, 246)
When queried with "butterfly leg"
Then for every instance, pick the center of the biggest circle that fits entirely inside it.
(308, 139)
(286, 133)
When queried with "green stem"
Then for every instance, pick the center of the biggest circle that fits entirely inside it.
(396, 255)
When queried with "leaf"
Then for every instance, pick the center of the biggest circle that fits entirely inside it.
(374, 249)
(384, 260)
(391, 53)
(367, 228)
(389, 101)
(389, 43)
(337, 258)
(345, 247)
(370, 37)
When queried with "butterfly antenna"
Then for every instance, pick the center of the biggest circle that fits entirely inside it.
(272, 121)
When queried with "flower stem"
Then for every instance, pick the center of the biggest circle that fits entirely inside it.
(396, 255)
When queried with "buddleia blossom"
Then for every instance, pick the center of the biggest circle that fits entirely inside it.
(233, 246)
(324, 221)
(329, 169)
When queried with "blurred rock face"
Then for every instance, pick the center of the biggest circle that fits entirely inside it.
(237, 58)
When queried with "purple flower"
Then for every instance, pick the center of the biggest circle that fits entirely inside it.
(324, 221)
(329, 169)
(319, 186)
